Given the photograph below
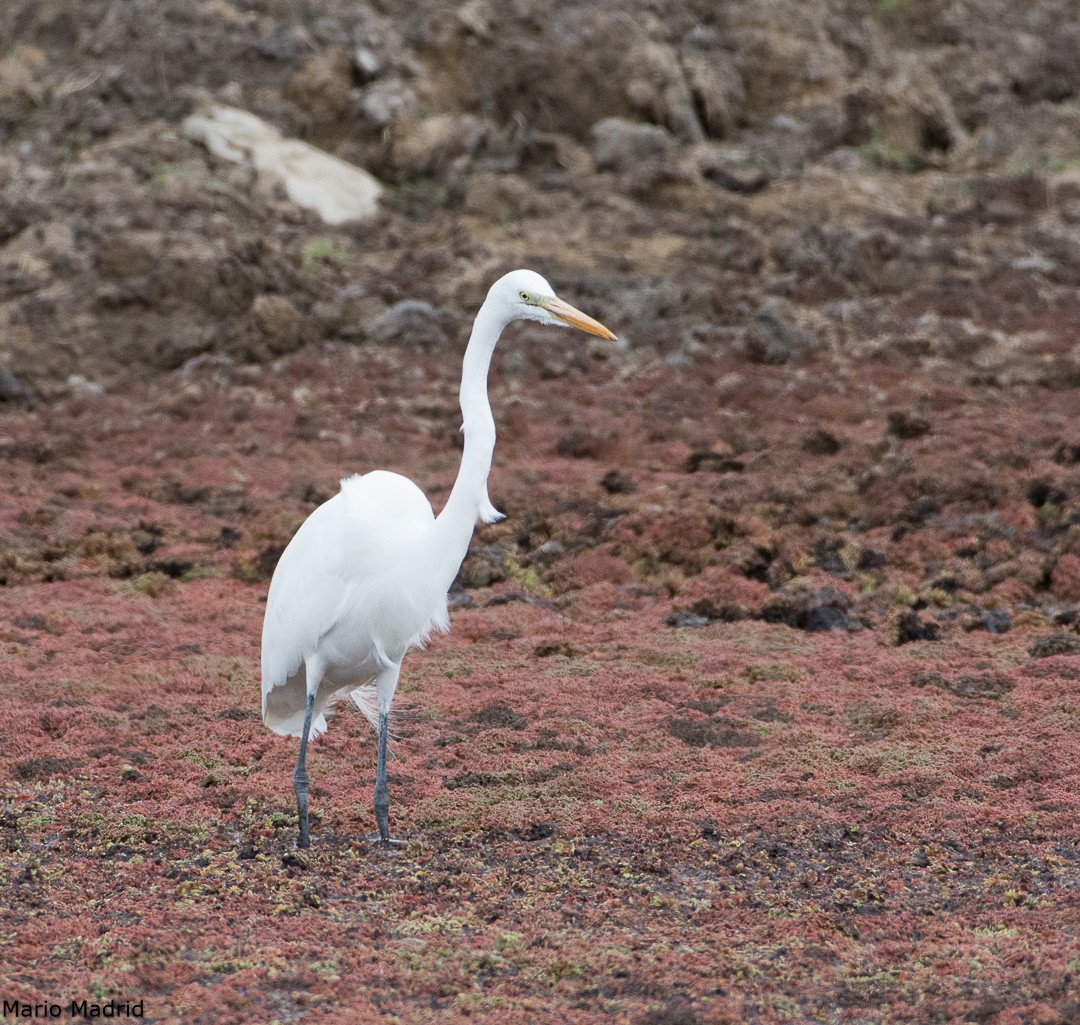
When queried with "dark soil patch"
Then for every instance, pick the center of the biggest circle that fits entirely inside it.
(709, 733)
(1055, 644)
(981, 685)
(498, 716)
(45, 768)
(480, 780)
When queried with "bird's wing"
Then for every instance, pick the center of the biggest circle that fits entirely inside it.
(305, 596)
(341, 549)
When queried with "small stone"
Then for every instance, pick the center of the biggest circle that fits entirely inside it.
(717, 462)
(907, 626)
(656, 86)
(386, 101)
(733, 174)
(907, 426)
(1042, 492)
(366, 62)
(1055, 644)
(11, 388)
(615, 482)
(705, 612)
(817, 611)
(475, 16)
(620, 145)
(775, 340)
(409, 322)
(80, 386)
(717, 89)
(279, 321)
(500, 198)
(820, 442)
(994, 621)
(484, 566)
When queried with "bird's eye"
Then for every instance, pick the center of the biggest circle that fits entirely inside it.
(524, 296)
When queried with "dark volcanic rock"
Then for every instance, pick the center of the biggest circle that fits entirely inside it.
(907, 426)
(812, 611)
(907, 626)
(820, 442)
(615, 482)
(1055, 644)
(705, 611)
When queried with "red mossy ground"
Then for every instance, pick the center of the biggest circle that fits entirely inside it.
(605, 815)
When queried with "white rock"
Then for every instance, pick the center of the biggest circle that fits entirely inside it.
(84, 388)
(335, 190)
(386, 101)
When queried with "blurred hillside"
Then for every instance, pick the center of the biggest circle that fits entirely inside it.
(767, 177)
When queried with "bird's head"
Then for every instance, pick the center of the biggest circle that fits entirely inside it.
(525, 295)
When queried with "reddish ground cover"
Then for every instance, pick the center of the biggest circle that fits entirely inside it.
(606, 814)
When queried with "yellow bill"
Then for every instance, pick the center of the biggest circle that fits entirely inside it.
(575, 318)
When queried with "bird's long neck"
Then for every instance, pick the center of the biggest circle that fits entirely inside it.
(454, 525)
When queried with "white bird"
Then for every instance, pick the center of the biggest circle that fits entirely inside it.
(365, 577)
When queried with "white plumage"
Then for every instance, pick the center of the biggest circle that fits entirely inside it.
(365, 577)
(337, 600)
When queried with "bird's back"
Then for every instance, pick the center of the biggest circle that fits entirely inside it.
(347, 592)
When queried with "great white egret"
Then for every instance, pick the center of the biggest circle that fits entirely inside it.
(365, 577)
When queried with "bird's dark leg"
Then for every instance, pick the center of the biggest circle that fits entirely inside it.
(300, 776)
(382, 795)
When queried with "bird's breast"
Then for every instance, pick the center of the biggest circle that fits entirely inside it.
(376, 629)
